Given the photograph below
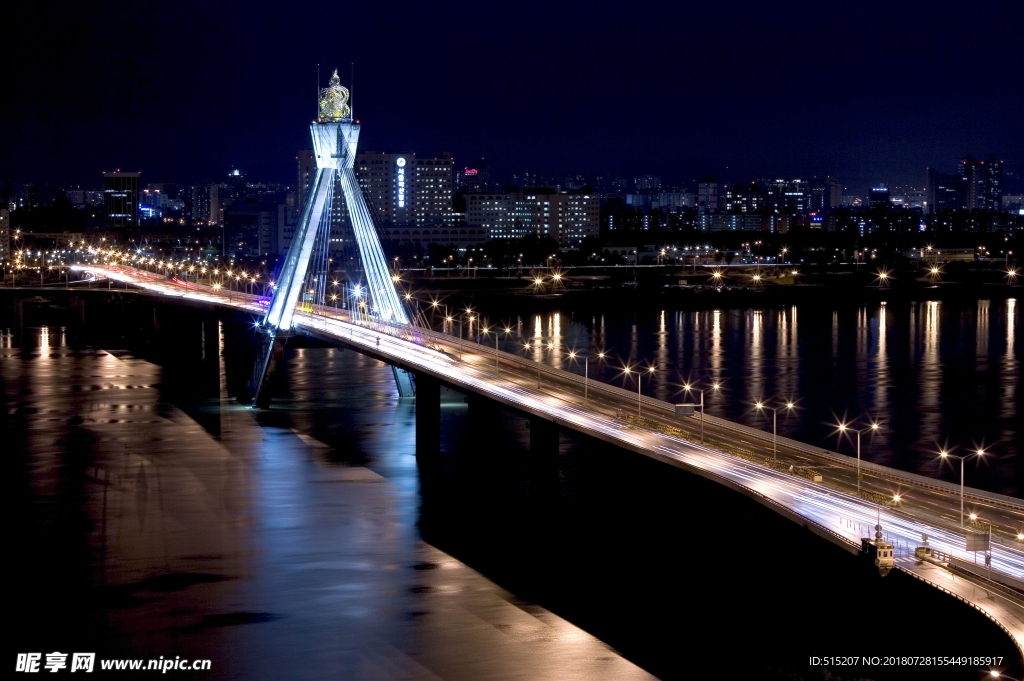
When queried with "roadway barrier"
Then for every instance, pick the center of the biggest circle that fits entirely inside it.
(663, 409)
(667, 410)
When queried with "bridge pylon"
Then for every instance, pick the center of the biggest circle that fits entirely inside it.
(335, 138)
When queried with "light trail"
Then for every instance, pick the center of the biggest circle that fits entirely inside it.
(847, 516)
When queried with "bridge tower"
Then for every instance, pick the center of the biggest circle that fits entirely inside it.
(335, 137)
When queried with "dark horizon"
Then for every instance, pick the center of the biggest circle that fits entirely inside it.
(184, 93)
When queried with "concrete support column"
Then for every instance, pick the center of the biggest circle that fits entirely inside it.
(210, 353)
(77, 305)
(483, 458)
(272, 347)
(19, 315)
(543, 463)
(404, 382)
(428, 422)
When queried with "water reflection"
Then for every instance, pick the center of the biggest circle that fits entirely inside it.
(898, 362)
(930, 371)
(755, 381)
(156, 521)
(981, 335)
(881, 372)
(1010, 369)
(661, 359)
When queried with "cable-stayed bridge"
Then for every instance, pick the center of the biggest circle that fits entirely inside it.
(842, 500)
(736, 456)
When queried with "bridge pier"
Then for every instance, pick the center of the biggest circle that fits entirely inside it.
(210, 350)
(404, 381)
(482, 456)
(542, 470)
(271, 348)
(428, 425)
(77, 305)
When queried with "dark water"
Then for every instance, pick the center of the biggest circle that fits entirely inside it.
(936, 374)
(155, 516)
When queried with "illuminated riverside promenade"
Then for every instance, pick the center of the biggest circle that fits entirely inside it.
(736, 456)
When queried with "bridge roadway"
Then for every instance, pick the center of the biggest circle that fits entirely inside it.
(733, 455)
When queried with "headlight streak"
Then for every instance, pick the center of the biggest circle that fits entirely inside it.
(827, 508)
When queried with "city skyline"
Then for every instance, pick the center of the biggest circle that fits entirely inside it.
(678, 91)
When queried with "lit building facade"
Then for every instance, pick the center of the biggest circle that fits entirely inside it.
(405, 190)
(978, 186)
(983, 182)
(121, 199)
(5, 235)
(566, 218)
(720, 222)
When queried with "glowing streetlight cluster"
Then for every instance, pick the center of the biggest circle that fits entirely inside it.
(844, 427)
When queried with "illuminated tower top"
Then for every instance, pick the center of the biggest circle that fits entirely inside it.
(334, 101)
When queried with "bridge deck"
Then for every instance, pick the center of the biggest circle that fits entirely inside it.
(734, 455)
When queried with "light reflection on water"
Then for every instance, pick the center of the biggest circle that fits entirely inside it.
(158, 520)
(928, 370)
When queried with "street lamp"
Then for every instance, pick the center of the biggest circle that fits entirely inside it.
(540, 345)
(586, 372)
(775, 418)
(639, 384)
(946, 455)
(507, 330)
(842, 429)
(687, 387)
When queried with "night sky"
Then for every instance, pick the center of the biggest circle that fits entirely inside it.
(184, 91)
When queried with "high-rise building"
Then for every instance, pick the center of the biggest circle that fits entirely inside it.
(5, 235)
(405, 190)
(982, 183)
(707, 195)
(432, 190)
(978, 186)
(199, 209)
(475, 178)
(826, 194)
(493, 213)
(879, 196)
(121, 198)
(744, 197)
(944, 192)
(306, 169)
(647, 183)
(791, 195)
(566, 218)
(736, 222)
(217, 205)
(251, 230)
(386, 181)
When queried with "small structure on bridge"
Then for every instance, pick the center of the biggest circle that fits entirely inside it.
(883, 551)
(686, 409)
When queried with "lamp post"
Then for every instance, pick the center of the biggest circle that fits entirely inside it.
(586, 372)
(639, 384)
(507, 330)
(459, 339)
(946, 455)
(873, 427)
(527, 346)
(687, 387)
(775, 419)
(434, 305)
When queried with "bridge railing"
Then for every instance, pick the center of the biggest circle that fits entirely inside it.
(664, 409)
(667, 410)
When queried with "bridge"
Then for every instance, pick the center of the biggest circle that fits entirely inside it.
(811, 486)
(843, 500)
